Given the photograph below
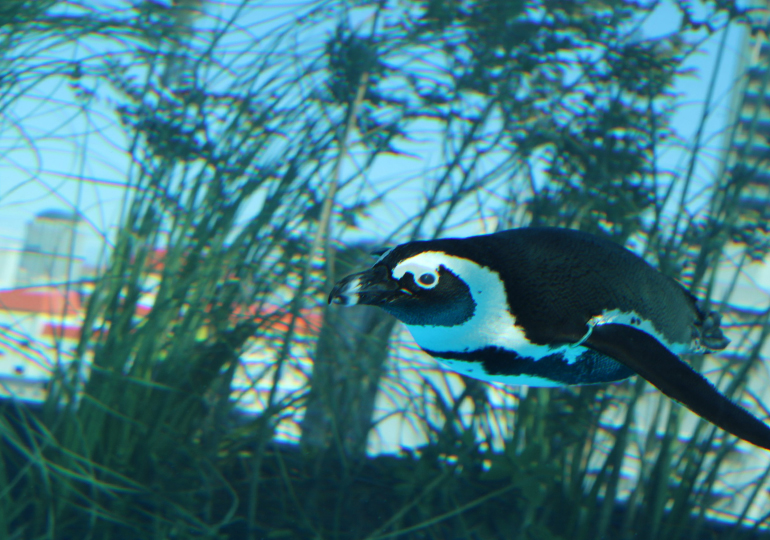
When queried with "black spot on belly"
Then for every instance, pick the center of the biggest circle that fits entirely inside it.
(589, 368)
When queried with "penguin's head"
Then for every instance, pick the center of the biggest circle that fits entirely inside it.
(420, 288)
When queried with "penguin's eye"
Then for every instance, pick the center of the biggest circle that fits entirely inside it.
(427, 280)
(425, 277)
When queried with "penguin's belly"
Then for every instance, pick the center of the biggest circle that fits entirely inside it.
(495, 349)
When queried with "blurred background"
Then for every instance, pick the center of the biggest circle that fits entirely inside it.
(181, 183)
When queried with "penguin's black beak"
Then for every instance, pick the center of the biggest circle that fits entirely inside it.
(373, 287)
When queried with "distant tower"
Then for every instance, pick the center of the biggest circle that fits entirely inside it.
(748, 140)
(744, 270)
(52, 250)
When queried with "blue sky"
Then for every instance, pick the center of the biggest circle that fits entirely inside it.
(47, 143)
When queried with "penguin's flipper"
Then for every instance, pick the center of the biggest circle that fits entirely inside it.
(675, 378)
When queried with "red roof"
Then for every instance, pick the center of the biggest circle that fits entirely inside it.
(307, 323)
(52, 301)
(61, 331)
(47, 300)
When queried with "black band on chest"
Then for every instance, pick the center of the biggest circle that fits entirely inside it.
(589, 368)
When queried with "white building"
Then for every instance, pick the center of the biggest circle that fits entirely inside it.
(53, 250)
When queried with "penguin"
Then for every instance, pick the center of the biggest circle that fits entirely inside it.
(547, 306)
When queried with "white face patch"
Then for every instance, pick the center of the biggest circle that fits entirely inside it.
(424, 276)
(492, 324)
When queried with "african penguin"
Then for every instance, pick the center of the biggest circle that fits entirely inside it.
(544, 306)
